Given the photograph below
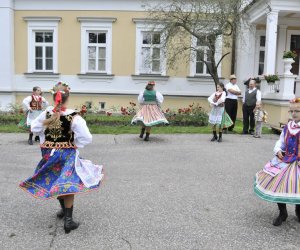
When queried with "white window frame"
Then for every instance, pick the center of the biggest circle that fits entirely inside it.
(218, 56)
(42, 24)
(94, 24)
(258, 48)
(142, 26)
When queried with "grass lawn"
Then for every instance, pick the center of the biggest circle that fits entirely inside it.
(96, 129)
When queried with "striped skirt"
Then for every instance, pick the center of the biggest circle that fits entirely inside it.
(284, 187)
(150, 115)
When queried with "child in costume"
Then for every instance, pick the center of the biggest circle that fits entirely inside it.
(150, 113)
(61, 173)
(260, 117)
(217, 116)
(33, 106)
(279, 180)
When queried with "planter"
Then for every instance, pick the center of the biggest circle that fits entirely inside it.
(288, 65)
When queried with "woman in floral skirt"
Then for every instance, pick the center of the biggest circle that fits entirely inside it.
(61, 173)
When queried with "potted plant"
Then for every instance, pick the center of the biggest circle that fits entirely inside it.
(288, 59)
(271, 78)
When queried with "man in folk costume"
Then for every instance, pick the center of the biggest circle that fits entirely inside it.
(33, 106)
(278, 181)
(150, 113)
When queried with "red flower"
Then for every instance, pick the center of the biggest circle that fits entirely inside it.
(108, 113)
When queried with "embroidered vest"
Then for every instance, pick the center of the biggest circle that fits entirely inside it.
(149, 95)
(60, 135)
(36, 105)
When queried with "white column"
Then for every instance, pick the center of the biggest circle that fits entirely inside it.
(6, 52)
(271, 42)
(281, 48)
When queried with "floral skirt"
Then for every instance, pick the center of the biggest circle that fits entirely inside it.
(150, 115)
(226, 121)
(281, 185)
(56, 176)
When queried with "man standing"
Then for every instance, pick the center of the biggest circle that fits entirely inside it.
(33, 106)
(231, 102)
(251, 97)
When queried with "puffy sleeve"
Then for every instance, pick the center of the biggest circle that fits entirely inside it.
(280, 145)
(141, 97)
(258, 96)
(26, 102)
(82, 135)
(45, 103)
(159, 97)
(37, 126)
(210, 99)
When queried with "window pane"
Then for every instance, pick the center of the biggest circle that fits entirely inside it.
(101, 65)
(200, 55)
(39, 64)
(208, 67)
(261, 56)
(156, 38)
(199, 68)
(262, 41)
(260, 69)
(156, 53)
(146, 65)
(102, 53)
(92, 64)
(101, 37)
(38, 51)
(146, 38)
(39, 38)
(92, 52)
(49, 52)
(48, 37)
(156, 66)
(49, 64)
(92, 37)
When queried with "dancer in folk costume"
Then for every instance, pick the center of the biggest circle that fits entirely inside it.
(218, 117)
(150, 113)
(279, 180)
(61, 173)
(33, 106)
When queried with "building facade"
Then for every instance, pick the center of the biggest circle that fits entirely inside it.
(99, 47)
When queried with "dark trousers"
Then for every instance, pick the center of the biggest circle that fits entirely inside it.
(248, 114)
(231, 107)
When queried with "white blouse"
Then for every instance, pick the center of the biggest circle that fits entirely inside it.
(28, 99)
(159, 97)
(82, 135)
(219, 101)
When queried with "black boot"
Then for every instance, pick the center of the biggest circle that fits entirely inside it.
(220, 137)
(147, 137)
(297, 210)
(215, 137)
(282, 215)
(30, 142)
(69, 223)
(37, 138)
(61, 213)
(142, 132)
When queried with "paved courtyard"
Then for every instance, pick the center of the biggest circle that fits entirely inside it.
(174, 192)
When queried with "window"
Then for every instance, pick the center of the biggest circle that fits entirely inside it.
(201, 54)
(43, 48)
(42, 44)
(96, 45)
(150, 53)
(261, 56)
(96, 52)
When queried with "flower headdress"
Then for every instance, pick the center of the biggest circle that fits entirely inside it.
(58, 90)
(295, 100)
(151, 83)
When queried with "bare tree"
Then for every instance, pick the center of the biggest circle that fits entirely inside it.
(205, 21)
